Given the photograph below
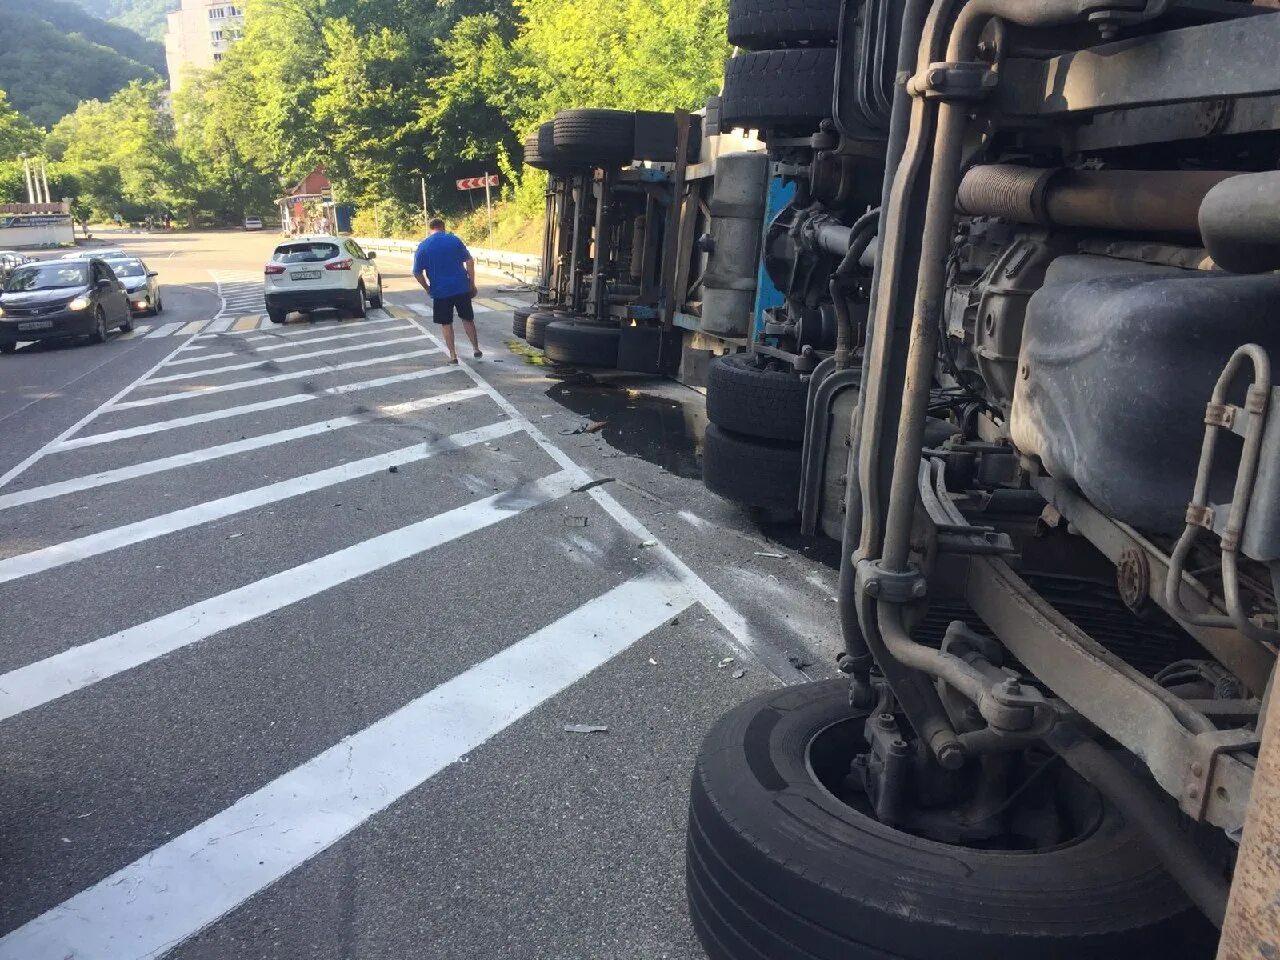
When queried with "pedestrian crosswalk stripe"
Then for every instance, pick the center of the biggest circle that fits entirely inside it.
(419, 309)
(290, 345)
(165, 330)
(138, 331)
(133, 471)
(246, 323)
(490, 304)
(225, 413)
(180, 888)
(190, 328)
(217, 326)
(106, 541)
(205, 391)
(252, 364)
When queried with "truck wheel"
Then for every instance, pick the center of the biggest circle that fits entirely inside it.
(751, 471)
(779, 867)
(786, 89)
(597, 137)
(748, 399)
(536, 327)
(582, 343)
(764, 24)
(520, 320)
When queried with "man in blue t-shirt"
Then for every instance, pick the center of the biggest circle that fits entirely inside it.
(444, 268)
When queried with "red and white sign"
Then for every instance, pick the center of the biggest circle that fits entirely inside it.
(478, 183)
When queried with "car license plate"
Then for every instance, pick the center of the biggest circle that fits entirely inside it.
(36, 325)
(305, 275)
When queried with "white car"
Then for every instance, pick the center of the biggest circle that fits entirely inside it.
(253, 223)
(100, 253)
(317, 272)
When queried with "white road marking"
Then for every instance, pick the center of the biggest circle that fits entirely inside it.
(46, 680)
(327, 352)
(135, 470)
(93, 414)
(290, 346)
(70, 551)
(139, 331)
(420, 310)
(513, 302)
(277, 378)
(740, 635)
(167, 329)
(145, 429)
(222, 323)
(173, 892)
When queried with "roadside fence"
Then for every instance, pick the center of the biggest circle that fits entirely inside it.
(524, 267)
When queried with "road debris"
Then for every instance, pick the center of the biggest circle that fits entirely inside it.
(739, 674)
(575, 521)
(593, 484)
(646, 544)
(771, 556)
(726, 662)
(585, 728)
(393, 469)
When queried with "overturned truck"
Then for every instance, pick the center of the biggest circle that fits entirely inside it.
(990, 296)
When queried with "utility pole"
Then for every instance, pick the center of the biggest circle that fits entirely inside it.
(488, 206)
(426, 217)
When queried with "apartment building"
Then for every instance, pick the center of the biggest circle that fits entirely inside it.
(198, 34)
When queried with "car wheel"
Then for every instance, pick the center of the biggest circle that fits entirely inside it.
(786, 860)
(158, 308)
(376, 302)
(358, 309)
(277, 316)
(99, 334)
(126, 325)
(779, 89)
(8, 346)
(754, 400)
(582, 343)
(752, 471)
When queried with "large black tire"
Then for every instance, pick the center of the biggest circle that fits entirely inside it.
(788, 90)
(596, 137)
(277, 316)
(357, 305)
(540, 151)
(582, 343)
(778, 867)
(536, 327)
(519, 321)
(765, 24)
(751, 471)
(745, 398)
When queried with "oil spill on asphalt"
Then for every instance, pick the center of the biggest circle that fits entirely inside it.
(659, 430)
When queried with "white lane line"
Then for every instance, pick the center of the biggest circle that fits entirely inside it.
(133, 471)
(166, 329)
(327, 352)
(204, 358)
(162, 426)
(173, 892)
(419, 309)
(136, 332)
(740, 635)
(305, 329)
(278, 378)
(93, 414)
(39, 683)
(70, 551)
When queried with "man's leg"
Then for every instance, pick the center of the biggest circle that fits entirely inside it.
(468, 314)
(446, 331)
(442, 314)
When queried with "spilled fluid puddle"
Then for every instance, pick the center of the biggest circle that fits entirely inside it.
(657, 429)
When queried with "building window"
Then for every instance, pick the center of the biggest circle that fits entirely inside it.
(217, 13)
(217, 58)
(216, 35)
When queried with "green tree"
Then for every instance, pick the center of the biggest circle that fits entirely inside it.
(18, 135)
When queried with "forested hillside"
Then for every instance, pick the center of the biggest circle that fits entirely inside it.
(144, 17)
(53, 56)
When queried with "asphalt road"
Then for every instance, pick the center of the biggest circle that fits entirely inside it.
(293, 621)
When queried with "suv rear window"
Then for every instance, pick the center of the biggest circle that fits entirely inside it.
(305, 252)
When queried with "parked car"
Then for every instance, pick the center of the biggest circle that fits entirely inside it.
(9, 261)
(101, 253)
(318, 272)
(58, 298)
(253, 223)
(140, 284)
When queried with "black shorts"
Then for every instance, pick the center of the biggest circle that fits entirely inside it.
(443, 307)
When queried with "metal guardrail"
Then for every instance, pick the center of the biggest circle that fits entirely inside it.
(522, 266)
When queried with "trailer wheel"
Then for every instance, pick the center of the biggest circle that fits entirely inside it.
(751, 471)
(779, 89)
(583, 343)
(778, 867)
(540, 152)
(597, 137)
(764, 24)
(519, 322)
(535, 327)
(745, 398)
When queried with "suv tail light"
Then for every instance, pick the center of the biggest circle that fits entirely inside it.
(339, 264)
(274, 269)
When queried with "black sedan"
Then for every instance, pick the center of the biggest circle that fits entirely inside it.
(54, 299)
(140, 284)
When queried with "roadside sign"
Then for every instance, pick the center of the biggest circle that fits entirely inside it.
(478, 183)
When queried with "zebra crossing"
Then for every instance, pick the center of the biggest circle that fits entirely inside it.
(265, 506)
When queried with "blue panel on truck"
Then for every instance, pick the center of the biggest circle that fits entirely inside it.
(767, 295)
